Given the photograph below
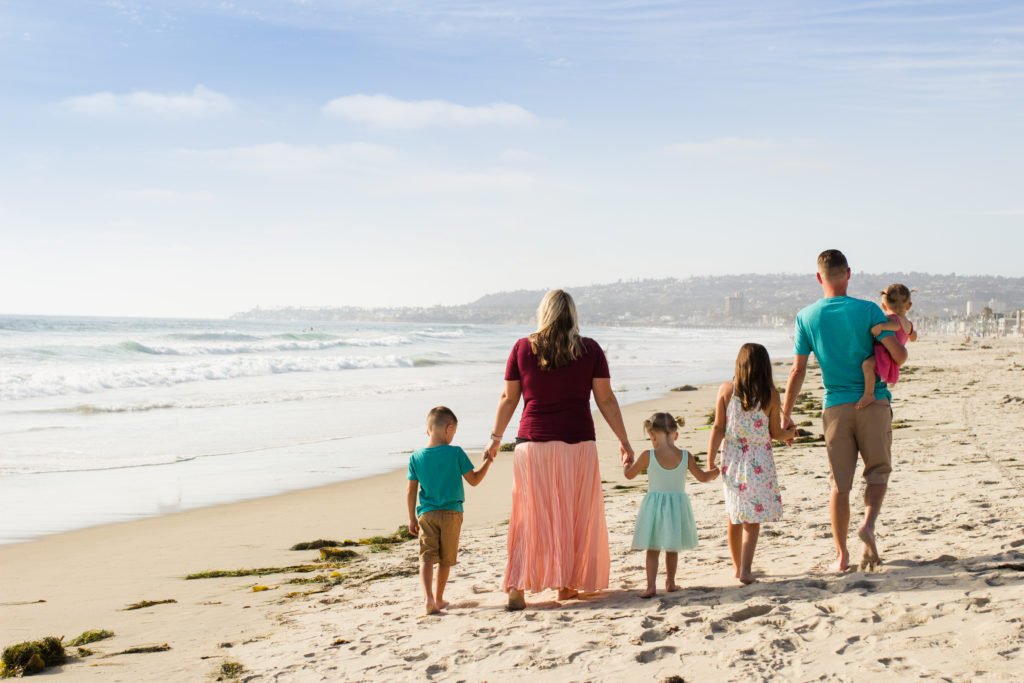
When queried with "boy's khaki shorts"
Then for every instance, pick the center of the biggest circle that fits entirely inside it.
(439, 536)
(849, 431)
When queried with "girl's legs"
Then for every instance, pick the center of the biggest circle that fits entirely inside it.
(750, 534)
(652, 573)
(868, 366)
(735, 546)
(671, 560)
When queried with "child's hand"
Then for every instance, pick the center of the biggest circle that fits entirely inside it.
(414, 527)
(488, 457)
(713, 471)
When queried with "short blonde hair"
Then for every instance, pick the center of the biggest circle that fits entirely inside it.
(832, 263)
(440, 417)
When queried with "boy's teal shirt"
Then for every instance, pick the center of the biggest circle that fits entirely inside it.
(439, 471)
(838, 331)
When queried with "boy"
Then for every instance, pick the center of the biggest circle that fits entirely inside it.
(436, 473)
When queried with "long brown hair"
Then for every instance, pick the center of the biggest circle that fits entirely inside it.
(754, 382)
(557, 341)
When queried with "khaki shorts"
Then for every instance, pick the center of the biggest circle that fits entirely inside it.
(439, 536)
(867, 431)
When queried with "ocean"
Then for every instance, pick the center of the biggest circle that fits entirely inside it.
(111, 419)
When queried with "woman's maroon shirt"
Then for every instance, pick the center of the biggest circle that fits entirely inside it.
(556, 403)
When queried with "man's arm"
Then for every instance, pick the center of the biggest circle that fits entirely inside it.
(796, 380)
(410, 500)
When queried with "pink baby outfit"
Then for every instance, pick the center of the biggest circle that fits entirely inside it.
(885, 367)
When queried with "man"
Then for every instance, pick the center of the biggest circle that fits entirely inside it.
(837, 329)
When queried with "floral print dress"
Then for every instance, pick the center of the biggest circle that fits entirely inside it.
(748, 467)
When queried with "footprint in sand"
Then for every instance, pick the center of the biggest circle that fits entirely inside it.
(750, 612)
(654, 654)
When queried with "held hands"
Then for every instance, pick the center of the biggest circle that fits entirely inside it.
(627, 454)
(789, 426)
(713, 472)
(492, 449)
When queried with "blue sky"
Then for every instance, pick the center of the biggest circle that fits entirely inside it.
(199, 158)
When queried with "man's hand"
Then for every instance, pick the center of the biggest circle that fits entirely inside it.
(788, 424)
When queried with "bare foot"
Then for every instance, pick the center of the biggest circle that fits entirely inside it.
(746, 578)
(841, 563)
(431, 607)
(870, 559)
(672, 587)
(441, 604)
(516, 600)
(567, 593)
(865, 401)
(649, 593)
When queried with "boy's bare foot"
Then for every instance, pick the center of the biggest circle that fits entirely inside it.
(841, 563)
(746, 578)
(431, 607)
(516, 600)
(649, 593)
(870, 559)
(567, 593)
(672, 586)
(865, 401)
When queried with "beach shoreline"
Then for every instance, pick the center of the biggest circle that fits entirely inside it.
(88, 576)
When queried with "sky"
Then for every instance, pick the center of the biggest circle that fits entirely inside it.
(195, 158)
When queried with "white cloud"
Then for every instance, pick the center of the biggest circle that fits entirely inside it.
(285, 158)
(760, 153)
(165, 195)
(385, 111)
(201, 102)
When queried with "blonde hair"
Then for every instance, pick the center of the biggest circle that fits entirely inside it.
(832, 263)
(557, 341)
(665, 423)
(897, 298)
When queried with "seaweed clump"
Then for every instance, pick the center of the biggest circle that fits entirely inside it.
(91, 637)
(229, 671)
(322, 543)
(148, 603)
(400, 536)
(31, 657)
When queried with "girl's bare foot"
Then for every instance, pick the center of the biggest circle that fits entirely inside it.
(746, 578)
(441, 604)
(567, 593)
(431, 607)
(841, 563)
(649, 593)
(516, 600)
(672, 586)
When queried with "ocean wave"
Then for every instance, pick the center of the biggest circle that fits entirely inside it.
(282, 343)
(213, 336)
(55, 382)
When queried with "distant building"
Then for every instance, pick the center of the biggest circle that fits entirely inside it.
(734, 306)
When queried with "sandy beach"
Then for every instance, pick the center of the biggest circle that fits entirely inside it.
(944, 605)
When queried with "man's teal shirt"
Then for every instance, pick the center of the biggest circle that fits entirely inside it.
(838, 331)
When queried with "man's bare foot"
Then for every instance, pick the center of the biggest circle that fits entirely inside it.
(672, 586)
(841, 563)
(649, 593)
(441, 604)
(865, 401)
(567, 593)
(516, 600)
(746, 578)
(870, 559)
(431, 607)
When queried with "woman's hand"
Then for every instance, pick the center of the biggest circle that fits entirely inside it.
(492, 448)
(627, 453)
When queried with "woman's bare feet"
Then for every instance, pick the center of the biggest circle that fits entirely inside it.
(516, 600)
(567, 593)
(649, 593)
(672, 586)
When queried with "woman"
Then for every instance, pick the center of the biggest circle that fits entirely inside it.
(557, 537)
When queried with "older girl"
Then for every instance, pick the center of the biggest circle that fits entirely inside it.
(747, 417)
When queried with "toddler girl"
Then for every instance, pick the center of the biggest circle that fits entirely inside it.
(748, 416)
(895, 302)
(665, 521)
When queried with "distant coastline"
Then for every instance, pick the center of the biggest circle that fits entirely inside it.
(941, 302)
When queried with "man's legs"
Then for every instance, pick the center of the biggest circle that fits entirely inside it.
(840, 441)
(874, 438)
(839, 510)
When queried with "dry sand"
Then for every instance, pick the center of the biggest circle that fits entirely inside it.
(946, 603)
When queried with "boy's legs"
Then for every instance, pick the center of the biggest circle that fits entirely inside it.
(430, 540)
(442, 580)
(671, 562)
(868, 366)
(427, 578)
(450, 523)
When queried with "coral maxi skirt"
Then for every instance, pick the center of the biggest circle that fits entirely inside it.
(557, 536)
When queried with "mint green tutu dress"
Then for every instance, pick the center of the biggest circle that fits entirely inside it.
(665, 521)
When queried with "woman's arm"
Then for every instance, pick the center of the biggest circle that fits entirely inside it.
(506, 409)
(631, 469)
(718, 430)
(609, 407)
(775, 419)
